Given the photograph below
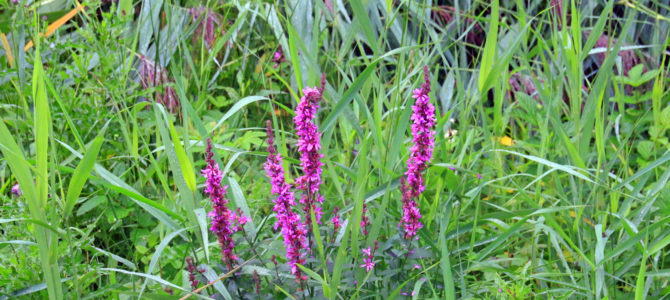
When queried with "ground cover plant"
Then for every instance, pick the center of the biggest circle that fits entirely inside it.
(334, 149)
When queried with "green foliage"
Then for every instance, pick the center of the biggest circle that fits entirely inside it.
(549, 178)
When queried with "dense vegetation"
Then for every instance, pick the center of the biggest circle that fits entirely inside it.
(335, 149)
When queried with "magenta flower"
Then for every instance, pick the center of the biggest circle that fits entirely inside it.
(152, 75)
(191, 273)
(365, 221)
(423, 119)
(209, 24)
(278, 57)
(292, 228)
(309, 145)
(224, 221)
(16, 190)
(336, 220)
(368, 261)
(336, 223)
(239, 220)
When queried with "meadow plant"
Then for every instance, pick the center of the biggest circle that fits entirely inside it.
(336, 222)
(309, 145)
(423, 120)
(368, 260)
(278, 57)
(207, 28)
(152, 75)
(545, 174)
(224, 221)
(16, 190)
(292, 228)
(365, 220)
(192, 273)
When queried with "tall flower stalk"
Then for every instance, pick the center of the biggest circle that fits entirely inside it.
(224, 221)
(423, 120)
(309, 145)
(292, 227)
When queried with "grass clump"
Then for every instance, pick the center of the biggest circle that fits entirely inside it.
(379, 149)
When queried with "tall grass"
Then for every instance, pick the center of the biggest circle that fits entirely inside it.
(558, 189)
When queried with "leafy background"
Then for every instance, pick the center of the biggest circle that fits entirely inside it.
(549, 179)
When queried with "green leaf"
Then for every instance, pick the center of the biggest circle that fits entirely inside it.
(363, 20)
(90, 204)
(238, 105)
(184, 162)
(81, 174)
(356, 86)
(631, 241)
(157, 254)
(241, 202)
(645, 148)
(490, 49)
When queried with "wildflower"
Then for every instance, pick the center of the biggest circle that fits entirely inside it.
(336, 222)
(292, 228)
(368, 262)
(365, 221)
(238, 219)
(309, 145)
(223, 219)
(557, 6)
(191, 273)
(336, 219)
(257, 281)
(16, 190)
(278, 57)
(208, 24)
(628, 57)
(152, 75)
(524, 84)
(421, 153)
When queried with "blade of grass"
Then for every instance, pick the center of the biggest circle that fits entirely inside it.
(81, 174)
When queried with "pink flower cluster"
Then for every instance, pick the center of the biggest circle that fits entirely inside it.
(368, 260)
(152, 75)
(209, 24)
(16, 190)
(309, 145)
(190, 266)
(365, 221)
(224, 221)
(278, 57)
(292, 228)
(336, 222)
(423, 120)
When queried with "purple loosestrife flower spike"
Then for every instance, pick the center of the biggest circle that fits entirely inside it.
(336, 223)
(365, 221)
(423, 120)
(191, 273)
(292, 228)
(223, 219)
(210, 22)
(309, 145)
